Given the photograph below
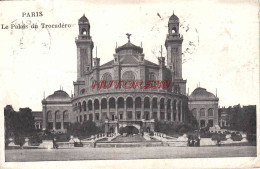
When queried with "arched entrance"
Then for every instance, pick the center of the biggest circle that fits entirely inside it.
(128, 130)
(111, 130)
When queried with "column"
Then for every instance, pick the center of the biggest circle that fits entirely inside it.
(172, 112)
(93, 109)
(62, 121)
(116, 109)
(165, 110)
(100, 111)
(181, 111)
(108, 109)
(124, 116)
(142, 109)
(134, 108)
(158, 110)
(177, 111)
(45, 121)
(151, 109)
(87, 111)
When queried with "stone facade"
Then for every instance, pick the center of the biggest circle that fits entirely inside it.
(204, 106)
(120, 107)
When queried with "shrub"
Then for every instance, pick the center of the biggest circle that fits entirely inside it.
(19, 140)
(236, 137)
(35, 140)
(218, 136)
(62, 138)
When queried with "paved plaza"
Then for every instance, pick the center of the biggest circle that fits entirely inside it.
(127, 153)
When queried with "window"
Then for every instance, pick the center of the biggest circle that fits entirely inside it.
(85, 117)
(162, 115)
(210, 112)
(80, 118)
(129, 115)
(113, 117)
(194, 112)
(77, 119)
(58, 125)
(128, 76)
(97, 116)
(138, 115)
(107, 78)
(202, 112)
(49, 116)
(120, 116)
(154, 115)
(82, 91)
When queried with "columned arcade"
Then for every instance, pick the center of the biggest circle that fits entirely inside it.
(129, 108)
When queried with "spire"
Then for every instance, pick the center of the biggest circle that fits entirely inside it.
(43, 94)
(96, 51)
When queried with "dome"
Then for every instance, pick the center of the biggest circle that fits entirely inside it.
(130, 46)
(83, 19)
(202, 93)
(173, 17)
(58, 95)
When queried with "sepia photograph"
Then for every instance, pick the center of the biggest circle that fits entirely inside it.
(135, 80)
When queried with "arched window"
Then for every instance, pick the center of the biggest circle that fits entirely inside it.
(120, 102)
(80, 107)
(83, 31)
(84, 105)
(146, 102)
(210, 112)
(65, 116)
(49, 115)
(162, 103)
(155, 103)
(90, 105)
(104, 103)
(194, 112)
(138, 102)
(112, 103)
(107, 78)
(57, 115)
(202, 112)
(128, 76)
(96, 104)
(82, 91)
(152, 76)
(129, 102)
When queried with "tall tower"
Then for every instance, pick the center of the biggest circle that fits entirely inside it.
(84, 48)
(173, 44)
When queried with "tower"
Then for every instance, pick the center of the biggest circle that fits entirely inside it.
(173, 44)
(84, 48)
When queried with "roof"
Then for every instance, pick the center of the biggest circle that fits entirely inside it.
(202, 93)
(58, 95)
(129, 45)
(174, 17)
(128, 60)
(83, 19)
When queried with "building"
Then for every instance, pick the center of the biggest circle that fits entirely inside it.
(117, 107)
(37, 119)
(204, 106)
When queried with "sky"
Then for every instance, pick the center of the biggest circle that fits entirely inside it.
(38, 61)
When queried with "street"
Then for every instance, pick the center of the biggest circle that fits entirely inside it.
(127, 153)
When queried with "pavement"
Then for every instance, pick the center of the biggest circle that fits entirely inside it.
(21, 155)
